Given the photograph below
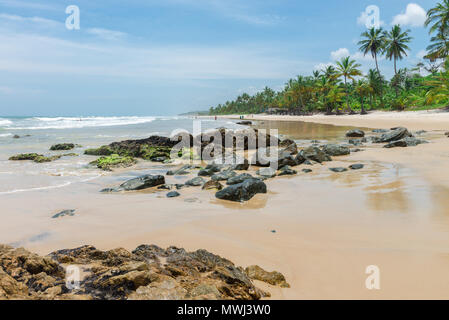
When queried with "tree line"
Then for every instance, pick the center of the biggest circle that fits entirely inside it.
(343, 87)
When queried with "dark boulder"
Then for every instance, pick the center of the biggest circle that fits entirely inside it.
(173, 194)
(336, 150)
(393, 135)
(356, 166)
(243, 191)
(211, 184)
(195, 182)
(139, 183)
(338, 169)
(238, 179)
(356, 133)
(287, 171)
(224, 175)
(62, 146)
(266, 172)
(312, 153)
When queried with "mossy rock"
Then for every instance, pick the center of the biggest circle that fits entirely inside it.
(62, 146)
(114, 161)
(25, 156)
(102, 151)
(42, 159)
(151, 153)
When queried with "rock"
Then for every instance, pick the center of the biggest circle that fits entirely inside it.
(306, 170)
(62, 146)
(379, 130)
(181, 171)
(312, 153)
(239, 178)
(242, 165)
(180, 186)
(420, 132)
(195, 182)
(356, 133)
(64, 213)
(286, 170)
(211, 184)
(148, 272)
(274, 278)
(356, 166)
(25, 156)
(16, 136)
(291, 149)
(245, 123)
(113, 161)
(205, 173)
(173, 194)
(446, 134)
(266, 172)
(242, 191)
(336, 150)
(102, 151)
(139, 183)
(357, 142)
(286, 143)
(393, 135)
(164, 187)
(224, 175)
(338, 169)
(406, 142)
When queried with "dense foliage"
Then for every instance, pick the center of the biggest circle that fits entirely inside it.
(342, 87)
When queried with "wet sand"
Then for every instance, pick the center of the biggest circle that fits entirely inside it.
(328, 227)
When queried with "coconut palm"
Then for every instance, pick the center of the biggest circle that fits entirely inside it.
(334, 97)
(363, 90)
(396, 42)
(438, 17)
(439, 46)
(348, 69)
(439, 86)
(375, 81)
(373, 42)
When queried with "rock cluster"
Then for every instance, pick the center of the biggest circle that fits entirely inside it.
(147, 273)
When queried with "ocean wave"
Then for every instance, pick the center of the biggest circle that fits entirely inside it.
(41, 123)
(5, 122)
(5, 135)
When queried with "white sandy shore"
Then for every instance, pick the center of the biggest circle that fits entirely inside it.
(414, 120)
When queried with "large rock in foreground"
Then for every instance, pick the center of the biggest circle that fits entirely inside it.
(139, 183)
(242, 191)
(148, 272)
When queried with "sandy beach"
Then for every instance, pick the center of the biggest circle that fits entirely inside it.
(320, 229)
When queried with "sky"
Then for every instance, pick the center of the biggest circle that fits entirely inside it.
(166, 57)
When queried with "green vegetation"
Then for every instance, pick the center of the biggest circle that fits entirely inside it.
(39, 158)
(344, 87)
(113, 161)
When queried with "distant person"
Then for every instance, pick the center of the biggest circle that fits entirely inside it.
(215, 118)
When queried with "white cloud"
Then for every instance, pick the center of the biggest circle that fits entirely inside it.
(36, 20)
(106, 34)
(340, 53)
(323, 66)
(365, 19)
(414, 16)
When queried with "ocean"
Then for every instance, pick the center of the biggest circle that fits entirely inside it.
(38, 134)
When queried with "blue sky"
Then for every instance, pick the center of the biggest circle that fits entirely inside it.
(149, 57)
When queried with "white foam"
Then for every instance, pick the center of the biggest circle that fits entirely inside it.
(40, 123)
(47, 187)
(5, 134)
(5, 122)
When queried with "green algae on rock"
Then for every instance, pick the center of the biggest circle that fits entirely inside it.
(114, 161)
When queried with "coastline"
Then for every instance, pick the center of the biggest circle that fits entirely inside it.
(392, 214)
(414, 120)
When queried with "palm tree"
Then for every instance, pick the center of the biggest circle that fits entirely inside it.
(396, 44)
(373, 42)
(348, 69)
(439, 47)
(439, 84)
(375, 82)
(364, 90)
(335, 96)
(438, 17)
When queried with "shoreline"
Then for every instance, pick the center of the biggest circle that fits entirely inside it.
(414, 120)
(391, 213)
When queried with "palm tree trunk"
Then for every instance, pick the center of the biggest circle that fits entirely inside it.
(381, 89)
(363, 111)
(347, 98)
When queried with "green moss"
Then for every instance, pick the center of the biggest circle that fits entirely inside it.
(41, 159)
(113, 161)
(102, 151)
(62, 146)
(150, 153)
(25, 156)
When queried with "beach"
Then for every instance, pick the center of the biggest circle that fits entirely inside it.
(321, 230)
